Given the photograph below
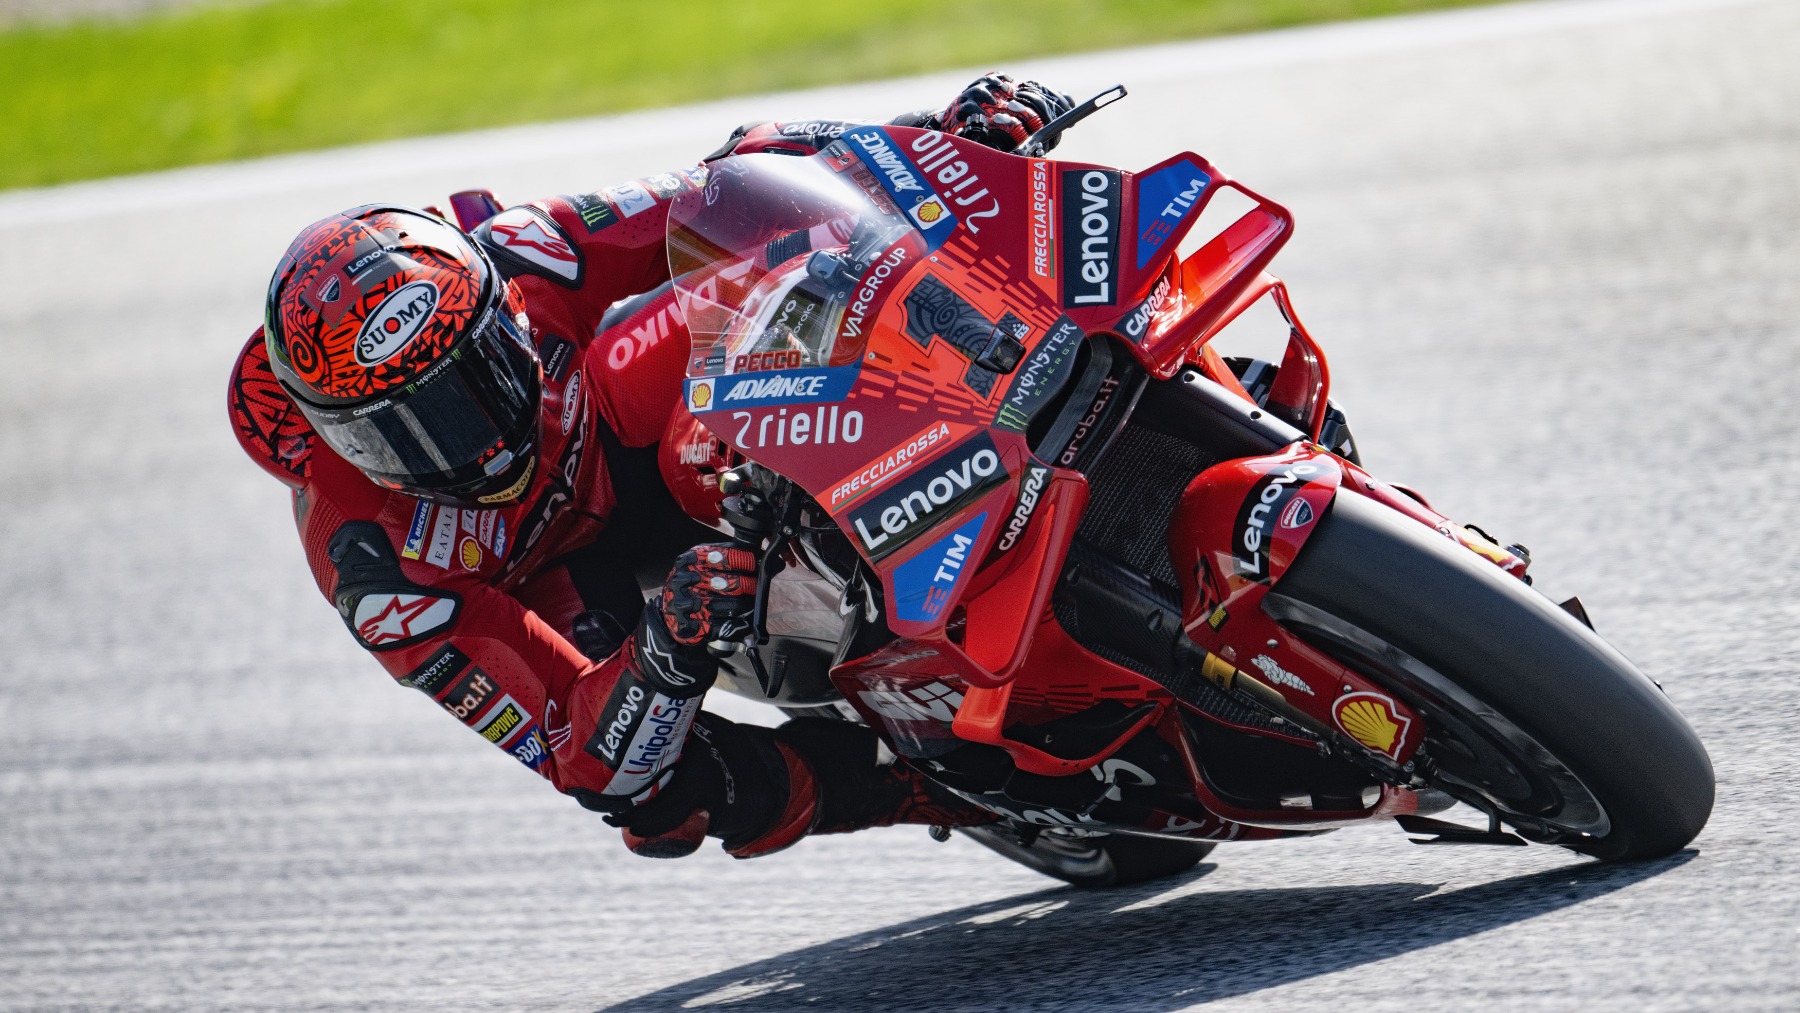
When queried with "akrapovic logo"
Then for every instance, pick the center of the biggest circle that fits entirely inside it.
(934, 491)
(1030, 489)
(396, 322)
(1090, 237)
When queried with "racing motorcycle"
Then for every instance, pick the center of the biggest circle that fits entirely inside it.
(1016, 513)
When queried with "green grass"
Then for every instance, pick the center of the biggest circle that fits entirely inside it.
(209, 84)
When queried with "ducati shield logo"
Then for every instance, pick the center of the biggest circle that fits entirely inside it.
(396, 322)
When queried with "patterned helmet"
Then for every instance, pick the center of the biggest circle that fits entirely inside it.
(409, 354)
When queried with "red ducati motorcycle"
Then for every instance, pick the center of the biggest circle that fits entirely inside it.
(1015, 512)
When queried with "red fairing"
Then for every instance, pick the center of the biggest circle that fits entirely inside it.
(1246, 520)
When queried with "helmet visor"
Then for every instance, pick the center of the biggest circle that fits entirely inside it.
(458, 429)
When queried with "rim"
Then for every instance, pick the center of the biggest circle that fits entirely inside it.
(1470, 750)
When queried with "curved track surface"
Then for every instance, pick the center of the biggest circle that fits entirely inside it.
(1554, 251)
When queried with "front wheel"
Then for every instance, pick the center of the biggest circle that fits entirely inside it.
(1093, 861)
(1528, 712)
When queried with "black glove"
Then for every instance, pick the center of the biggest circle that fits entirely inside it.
(1001, 113)
(731, 773)
(709, 594)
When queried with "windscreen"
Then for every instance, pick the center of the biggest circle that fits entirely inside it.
(768, 256)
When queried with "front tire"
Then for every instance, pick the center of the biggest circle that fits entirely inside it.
(1498, 672)
(1094, 861)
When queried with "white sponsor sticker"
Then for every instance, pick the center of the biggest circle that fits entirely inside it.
(630, 198)
(443, 538)
(382, 619)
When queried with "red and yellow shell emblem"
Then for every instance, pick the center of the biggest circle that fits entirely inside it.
(1372, 720)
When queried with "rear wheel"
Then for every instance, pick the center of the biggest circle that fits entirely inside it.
(1528, 711)
(1095, 860)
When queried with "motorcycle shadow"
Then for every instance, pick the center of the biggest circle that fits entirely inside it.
(1122, 949)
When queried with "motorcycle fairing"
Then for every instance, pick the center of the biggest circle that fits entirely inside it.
(1240, 524)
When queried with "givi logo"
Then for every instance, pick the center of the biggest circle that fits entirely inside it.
(396, 322)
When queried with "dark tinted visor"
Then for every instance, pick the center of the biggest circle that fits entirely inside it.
(462, 423)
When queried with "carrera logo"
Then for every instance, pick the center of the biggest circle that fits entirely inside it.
(934, 492)
(1030, 488)
(1266, 501)
(1137, 323)
(396, 322)
(1090, 239)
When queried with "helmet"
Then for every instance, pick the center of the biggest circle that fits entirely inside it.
(409, 354)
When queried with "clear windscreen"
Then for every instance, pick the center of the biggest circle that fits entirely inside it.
(768, 255)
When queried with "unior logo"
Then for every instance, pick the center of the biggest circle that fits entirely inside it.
(396, 322)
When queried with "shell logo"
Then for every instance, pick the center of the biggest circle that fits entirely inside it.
(700, 396)
(471, 553)
(1372, 720)
(930, 211)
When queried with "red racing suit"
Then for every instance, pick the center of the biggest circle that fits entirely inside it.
(517, 620)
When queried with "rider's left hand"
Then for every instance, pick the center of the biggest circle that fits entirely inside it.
(1001, 113)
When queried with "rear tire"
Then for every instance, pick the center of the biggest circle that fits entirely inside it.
(1096, 861)
(1526, 660)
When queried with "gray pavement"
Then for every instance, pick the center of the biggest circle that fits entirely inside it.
(1554, 253)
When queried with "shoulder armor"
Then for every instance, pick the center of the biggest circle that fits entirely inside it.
(527, 240)
(268, 426)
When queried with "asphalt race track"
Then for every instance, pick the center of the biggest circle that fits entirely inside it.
(1554, 252)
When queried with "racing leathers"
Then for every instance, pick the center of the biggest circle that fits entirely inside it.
(527, 620)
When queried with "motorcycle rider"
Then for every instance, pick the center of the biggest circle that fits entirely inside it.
(469, 424)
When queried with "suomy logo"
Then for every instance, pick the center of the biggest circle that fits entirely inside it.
(935, 491)
(396, 322)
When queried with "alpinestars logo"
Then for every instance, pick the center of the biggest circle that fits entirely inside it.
(934, 491)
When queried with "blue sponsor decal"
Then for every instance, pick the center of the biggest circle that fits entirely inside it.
(775, 387)
(922, 584)
(531, 750)
(415, 536)
(1165, 198)
(903, 181)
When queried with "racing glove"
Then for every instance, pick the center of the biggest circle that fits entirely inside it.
(1001, 113)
